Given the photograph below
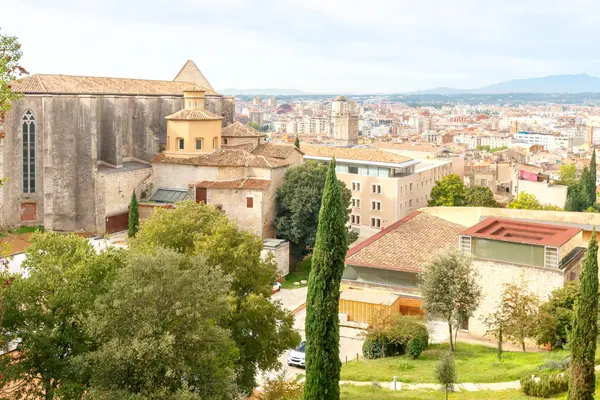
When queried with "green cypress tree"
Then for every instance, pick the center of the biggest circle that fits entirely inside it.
(585, 329)
(322, 322)
(297, 142)
(577, 199)
(592, 180)
(134, 216)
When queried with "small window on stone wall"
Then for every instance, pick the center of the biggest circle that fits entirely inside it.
(249, 202)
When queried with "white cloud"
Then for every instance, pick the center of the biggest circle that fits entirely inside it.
(315, 45)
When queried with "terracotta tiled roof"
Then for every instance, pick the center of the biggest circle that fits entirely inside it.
(193, 115)
(237, 129)
(363, 154)
(282, 151)
(42, 83)
(245, 183)
(407, 244)
(223, 158)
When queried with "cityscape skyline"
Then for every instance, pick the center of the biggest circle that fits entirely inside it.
(333, 46)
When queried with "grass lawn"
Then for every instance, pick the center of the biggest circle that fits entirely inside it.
(299, 272)
(349, 392)
(28, 229)
(474, 363)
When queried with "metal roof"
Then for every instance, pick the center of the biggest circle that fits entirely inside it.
(169, 195)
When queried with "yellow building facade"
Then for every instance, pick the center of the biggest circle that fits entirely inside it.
(193, 130)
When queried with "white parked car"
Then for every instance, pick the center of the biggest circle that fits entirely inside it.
(297, 356)
(276, 287)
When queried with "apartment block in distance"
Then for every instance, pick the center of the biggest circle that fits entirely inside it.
(385, 186)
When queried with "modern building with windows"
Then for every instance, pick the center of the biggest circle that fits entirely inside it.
(539, 254)
(385, 186)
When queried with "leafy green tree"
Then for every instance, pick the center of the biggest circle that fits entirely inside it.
(45, 309)
(556, 315)
(134, 216)
(445, 372)
(253, 125)
(585, 329)
(568, 174)
(199, 229)
(299, 204)
(480, 196)
(10, 71)
(528, 201)
(518, 310)
(449, 290)
(297, 142)
(157, 334)
(322, 303)
(449, 191)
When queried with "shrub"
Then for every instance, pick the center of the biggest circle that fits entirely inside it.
(553, 365)
(403, 328)
(415, 347)
(280, 388)
(545, 386)
(391, 334)
(374, 348)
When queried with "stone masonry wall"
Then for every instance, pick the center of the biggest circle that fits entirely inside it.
(73, 134)
(234, 206)
(118, 187)
(494, 276)
(281, 256)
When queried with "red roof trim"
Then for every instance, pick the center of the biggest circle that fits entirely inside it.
(508, 230)
(380, 234)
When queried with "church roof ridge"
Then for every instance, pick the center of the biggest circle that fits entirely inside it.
(83, 84)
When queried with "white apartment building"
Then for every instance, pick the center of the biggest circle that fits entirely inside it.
(548, 140)
(495, 141)
(470, 141)
(385, 186)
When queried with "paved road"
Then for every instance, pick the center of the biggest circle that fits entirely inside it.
(350, 340)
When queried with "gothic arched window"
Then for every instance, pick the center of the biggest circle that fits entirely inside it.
(28, 152)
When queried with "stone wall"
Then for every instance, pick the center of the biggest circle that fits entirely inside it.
(73, 134)
(233, 203)
(280, 249)
(269, 204)
(493, 278)
(118, 187)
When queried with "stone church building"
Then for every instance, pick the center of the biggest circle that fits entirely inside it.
(76, 147)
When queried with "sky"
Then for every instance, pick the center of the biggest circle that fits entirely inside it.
(324, 46)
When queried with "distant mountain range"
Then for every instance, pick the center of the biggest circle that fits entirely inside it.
(581, 83)
(264, 92)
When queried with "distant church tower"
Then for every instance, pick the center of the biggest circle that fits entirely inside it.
(345, 122)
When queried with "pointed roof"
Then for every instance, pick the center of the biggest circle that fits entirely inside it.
(193, 115)
(191, 73)
(237, 129)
